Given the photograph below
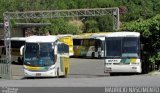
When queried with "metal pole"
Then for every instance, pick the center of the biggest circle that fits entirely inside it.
(115, 17)
(118, 23)
(7, 43)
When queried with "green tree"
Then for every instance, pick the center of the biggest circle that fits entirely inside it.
(150, 30)
(91, 26)
(105, 23)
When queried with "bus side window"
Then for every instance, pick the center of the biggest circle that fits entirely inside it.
(66, 48)
(63, 48)
(77, 42)
(60, 49)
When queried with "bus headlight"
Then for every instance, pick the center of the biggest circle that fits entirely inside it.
(108, 69)
(108, 63)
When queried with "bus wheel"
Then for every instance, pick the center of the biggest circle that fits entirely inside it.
(19, 60)
(93, 55)
(99, 56)
(112, 74)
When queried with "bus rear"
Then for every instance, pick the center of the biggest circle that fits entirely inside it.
(122, 52)
(67, 39)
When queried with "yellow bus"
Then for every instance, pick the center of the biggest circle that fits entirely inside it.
(86, 47)
(67, 39)
(89, 45)
(16, 43)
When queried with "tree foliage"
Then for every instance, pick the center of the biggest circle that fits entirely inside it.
(129, 9)
(150, 30)
(144, 12)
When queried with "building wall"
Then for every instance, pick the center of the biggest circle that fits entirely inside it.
(15, 32)
(1, 33)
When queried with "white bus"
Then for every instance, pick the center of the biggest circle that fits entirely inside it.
(99, 51)
(45, 56)
(16, 44)
(122, 53)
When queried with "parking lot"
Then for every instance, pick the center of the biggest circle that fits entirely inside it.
(79, 68)
(84, 73)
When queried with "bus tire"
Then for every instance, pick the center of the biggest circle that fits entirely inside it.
(99, 56)
(112, 74)
(19, 60)
(26, 78)
(93, 55)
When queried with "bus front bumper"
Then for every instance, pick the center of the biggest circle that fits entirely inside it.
(123, 69)
(49, 73)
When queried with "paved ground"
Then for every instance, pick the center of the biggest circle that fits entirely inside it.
(84, 73)
(80, 68)
(116, 81)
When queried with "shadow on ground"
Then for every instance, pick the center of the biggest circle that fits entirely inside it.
(16, 63)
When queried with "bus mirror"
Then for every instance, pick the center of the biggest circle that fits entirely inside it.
(21, 50)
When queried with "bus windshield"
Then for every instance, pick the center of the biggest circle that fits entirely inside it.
(113, 47)
(39, 54)
(122, 47)
(130, 47)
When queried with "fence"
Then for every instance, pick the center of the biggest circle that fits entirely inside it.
(5, 69)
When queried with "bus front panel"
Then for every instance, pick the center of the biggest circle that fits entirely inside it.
(122, 54)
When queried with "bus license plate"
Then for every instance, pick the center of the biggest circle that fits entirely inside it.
(38, 74)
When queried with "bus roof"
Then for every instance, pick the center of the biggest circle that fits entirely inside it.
(123, 34)
(100, 36)
(91, 35)
(16, 38)
(83, 36)
(41, 39)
